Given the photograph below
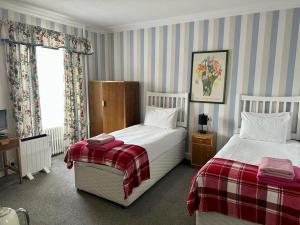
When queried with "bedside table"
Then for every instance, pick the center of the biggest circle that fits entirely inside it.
(203, 148)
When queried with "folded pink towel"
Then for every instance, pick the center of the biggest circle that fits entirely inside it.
(282, 168)
(101, 139)
(106, 146)
(282, 182)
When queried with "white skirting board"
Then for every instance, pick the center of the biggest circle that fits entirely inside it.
(187, 155)
(35, 155)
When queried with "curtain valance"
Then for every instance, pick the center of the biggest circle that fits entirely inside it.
(20, 33)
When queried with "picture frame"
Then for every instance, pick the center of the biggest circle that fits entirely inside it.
(208, 76)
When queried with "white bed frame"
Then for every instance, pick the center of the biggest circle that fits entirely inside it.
(171, 100)
(260, 104)
(107, 182)
(256, 104)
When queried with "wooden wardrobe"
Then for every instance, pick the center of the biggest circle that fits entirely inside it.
(113, 105)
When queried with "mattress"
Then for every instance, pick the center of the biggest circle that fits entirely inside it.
(107, 182)
(155, 140)
(251, 151)
(165, 150)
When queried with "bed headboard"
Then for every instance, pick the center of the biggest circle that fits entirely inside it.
(261, 104)
(171, 100)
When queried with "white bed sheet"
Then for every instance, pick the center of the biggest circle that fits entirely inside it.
(154, 139)
(251, 152)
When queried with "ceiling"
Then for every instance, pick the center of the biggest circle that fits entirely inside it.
(114, 13)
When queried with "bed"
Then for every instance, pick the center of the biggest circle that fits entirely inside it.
(165, 149)
(251, 151)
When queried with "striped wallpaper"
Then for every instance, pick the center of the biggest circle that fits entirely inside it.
(264, 59)
(100, 63)
(264, 51)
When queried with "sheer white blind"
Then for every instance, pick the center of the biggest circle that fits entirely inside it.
(50, 69)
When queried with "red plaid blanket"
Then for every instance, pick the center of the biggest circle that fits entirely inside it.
(130, 159)
(231, 188)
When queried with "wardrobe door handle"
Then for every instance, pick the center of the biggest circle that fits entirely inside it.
(103, 103)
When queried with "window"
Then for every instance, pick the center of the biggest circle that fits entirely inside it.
(50, 69)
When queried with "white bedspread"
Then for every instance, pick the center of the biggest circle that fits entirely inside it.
(154, 139)
(250, 151)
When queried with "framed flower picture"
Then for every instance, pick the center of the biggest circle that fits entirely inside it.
(208, 79)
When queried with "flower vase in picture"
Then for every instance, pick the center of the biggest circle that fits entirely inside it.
(208, 76)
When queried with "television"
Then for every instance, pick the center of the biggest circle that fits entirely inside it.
(3, 120)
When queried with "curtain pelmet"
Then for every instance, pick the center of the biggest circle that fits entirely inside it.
(20, 33)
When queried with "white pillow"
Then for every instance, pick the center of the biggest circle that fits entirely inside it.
(161, 117)
(272, 127)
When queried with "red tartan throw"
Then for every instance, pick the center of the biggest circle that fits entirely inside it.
(130, 159)
(231, 188)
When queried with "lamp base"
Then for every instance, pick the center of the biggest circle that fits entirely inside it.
(202, 131)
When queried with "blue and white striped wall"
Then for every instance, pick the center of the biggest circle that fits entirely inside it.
(264, 59)
(100, 63)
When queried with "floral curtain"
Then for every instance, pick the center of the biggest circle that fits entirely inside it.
(75, 105)
(21, 40)
(20, 33)
(24, 90)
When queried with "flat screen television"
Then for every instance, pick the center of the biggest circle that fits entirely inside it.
(3, 120)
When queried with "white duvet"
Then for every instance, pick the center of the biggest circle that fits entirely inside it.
(250, 151)
(154, 139)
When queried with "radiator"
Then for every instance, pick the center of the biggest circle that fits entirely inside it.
(35, 155)
(56, 135)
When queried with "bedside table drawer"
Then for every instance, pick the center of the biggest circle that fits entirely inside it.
(199, 140)
(12, 143)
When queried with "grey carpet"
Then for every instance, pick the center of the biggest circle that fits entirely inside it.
(52, 199)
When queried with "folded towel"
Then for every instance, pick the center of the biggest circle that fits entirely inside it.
(101, 139)
(282, 168)
(106, 146)
(282, 182)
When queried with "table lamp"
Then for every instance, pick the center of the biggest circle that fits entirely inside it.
(202, 121)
